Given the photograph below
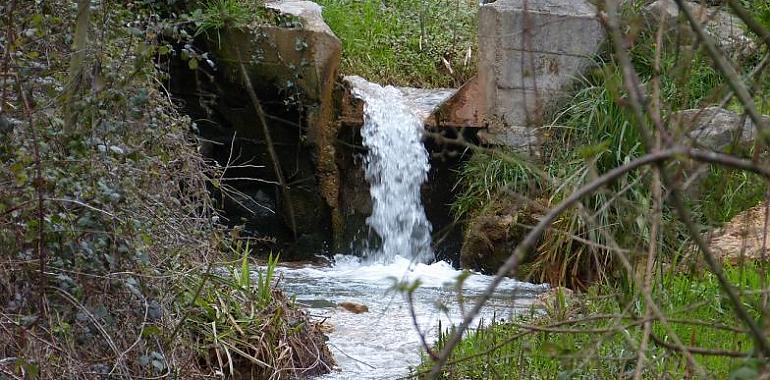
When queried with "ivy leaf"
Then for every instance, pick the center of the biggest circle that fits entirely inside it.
(193, 64)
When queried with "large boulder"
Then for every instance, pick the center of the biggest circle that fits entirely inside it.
(717, 128)
(743, 238)
(530, 52)
(726, 29)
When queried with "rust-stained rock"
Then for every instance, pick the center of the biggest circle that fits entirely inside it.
(465, 109)
(354, 307)
(425, 103)
(292, 64)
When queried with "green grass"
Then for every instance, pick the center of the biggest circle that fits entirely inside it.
(605, 348)
(422, 43)
(484, 176)
(218, 14)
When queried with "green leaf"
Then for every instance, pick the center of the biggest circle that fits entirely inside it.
(245, 275)
(193, 64)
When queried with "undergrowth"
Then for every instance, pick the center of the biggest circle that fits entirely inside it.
(247, 328)
(105, 217)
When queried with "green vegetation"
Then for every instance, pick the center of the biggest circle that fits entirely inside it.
(406, 42)
(218, 14)
(600, 333)
(730, 192)
(250, 324)
(598, 337)
(108, 237)
(600, 133)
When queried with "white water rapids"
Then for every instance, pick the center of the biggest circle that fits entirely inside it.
(384, 342)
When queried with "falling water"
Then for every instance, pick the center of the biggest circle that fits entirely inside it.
(396, 166)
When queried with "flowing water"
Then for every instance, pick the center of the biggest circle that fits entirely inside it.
(396, 166)
(385, 342)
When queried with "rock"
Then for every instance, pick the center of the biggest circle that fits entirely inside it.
(717, 128)
(742, 238)
(424, 102)
(521, 139)
(354, 307)
(528, 58)
(491, 237)
(726, 29)
(308, 12)
(292, 66)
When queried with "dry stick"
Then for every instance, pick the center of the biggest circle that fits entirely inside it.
(531, 238)
(651, 305)
(763, 257)
(701, 351)
(9, 40)
(733, 79)
(110, 342)
(269, 142)
(191, 305)
(656, 213)
(637, 98)
(415, 323)
(38, 183)
(751, 22)
(763, 64)
(756, 332)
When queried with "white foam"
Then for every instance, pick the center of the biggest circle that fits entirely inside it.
(385, 338)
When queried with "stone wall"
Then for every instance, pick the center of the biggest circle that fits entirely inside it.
(530, 53)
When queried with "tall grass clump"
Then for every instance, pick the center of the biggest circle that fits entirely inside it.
(486, 176)
(247, 328)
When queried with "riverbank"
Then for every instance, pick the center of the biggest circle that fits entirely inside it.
(609, 332)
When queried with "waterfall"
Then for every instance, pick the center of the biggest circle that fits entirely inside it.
(395, 167)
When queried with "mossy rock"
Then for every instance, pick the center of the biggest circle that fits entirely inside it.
(494, 232)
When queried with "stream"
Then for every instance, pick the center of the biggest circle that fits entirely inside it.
(383, 343)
